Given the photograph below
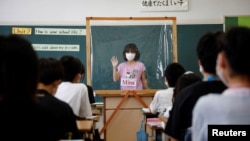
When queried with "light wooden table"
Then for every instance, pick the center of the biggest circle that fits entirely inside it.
(85, 125)
(122, 112)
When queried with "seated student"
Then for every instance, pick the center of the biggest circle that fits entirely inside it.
(71, 91)
(50, 76)
(22, 117)
(180, 117)
(185, 80)
(90, 89)
(232, 106)
(163, 98)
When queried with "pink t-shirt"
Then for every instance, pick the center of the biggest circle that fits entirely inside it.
(130, 76)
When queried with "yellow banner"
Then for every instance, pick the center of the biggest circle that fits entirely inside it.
(21, 30)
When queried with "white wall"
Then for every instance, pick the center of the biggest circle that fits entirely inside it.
(73, 12)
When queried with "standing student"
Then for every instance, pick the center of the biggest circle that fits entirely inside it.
(71, 91)
(50, 76)
(180, 118)
(163, 98)
(232, 106)
(22, 117)
(131, 73)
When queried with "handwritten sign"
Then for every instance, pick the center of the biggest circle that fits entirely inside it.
(56, 47)
(164, 5)
(21, 30)
(59, 31)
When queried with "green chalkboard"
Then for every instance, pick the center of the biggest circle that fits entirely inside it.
(153, 41)
(54, 41)
(188, 37)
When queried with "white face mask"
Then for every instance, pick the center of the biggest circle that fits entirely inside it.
(201, 69)
(220, 75)
(130, 56)
(219, 71)
(166, 83)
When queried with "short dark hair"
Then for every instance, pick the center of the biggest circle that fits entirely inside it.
(131, 48)
(184, 81)
(19, 69)
(236, 46)
(50, 70)
(172, 72)
(207, 51)
(72, 66)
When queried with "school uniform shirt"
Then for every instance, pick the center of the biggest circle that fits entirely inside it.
(130, 75)
(230, 108)
(180, 118)
(76, 95)
(162, 101)
(21, 120)
(66, 119)
(91, 94)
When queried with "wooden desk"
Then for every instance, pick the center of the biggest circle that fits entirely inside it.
(162, 118)
(126, 121)
(97, 108)
(85, 125)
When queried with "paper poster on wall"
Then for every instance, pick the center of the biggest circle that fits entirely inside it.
(164, 5)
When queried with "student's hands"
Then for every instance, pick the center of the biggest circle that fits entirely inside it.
(114, 61)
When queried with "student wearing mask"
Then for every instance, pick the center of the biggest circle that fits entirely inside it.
(131, 73)
(22, 116)
(185, 80)
(50, 76)
(180, 118)
(71, 91)
(232, 106)
(162, 100)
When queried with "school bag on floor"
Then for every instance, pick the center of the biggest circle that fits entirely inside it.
(142, 135)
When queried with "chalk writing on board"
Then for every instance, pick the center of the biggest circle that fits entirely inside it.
(21, 30)
(56, 47)
(59, 31)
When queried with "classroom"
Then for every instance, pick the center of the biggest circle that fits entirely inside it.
(63, 27)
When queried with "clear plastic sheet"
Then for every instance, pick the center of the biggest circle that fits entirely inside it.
(154, 41)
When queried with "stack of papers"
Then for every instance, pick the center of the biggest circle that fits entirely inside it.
(154, 122)
(92, 117)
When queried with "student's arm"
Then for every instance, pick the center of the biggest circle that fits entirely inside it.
(144, 80)
(85, 109)
(116, 75)
(154, 104)
(114, 62)
(91, 94)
